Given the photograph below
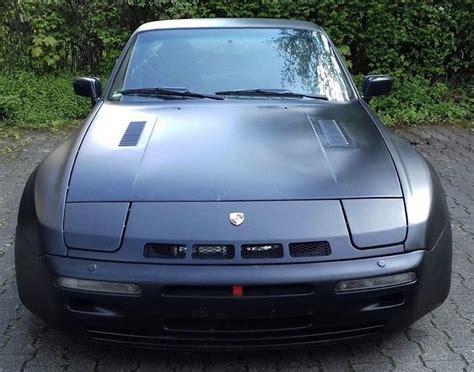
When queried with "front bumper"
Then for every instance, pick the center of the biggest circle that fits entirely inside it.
(189, 307)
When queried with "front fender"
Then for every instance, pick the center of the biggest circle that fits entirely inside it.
(425, 200)
(41, 212)
(426, 206)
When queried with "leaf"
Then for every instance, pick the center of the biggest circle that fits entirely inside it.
(36, 51)
(49, 40)
(345, 50)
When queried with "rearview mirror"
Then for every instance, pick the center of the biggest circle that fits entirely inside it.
(376, 85)
(88, 87)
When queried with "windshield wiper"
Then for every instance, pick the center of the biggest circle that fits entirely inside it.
(269, 93)
(168, 92)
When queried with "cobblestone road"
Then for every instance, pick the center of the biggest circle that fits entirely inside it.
(441, 341)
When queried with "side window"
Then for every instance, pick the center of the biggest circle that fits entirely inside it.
(123, 72)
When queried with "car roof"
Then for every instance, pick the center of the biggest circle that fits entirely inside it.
(228, 23)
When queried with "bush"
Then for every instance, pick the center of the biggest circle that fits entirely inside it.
(48, 101)
(36, 102)
(426, 45)
(415, 100)
(430, 38)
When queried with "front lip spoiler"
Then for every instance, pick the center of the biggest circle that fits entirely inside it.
(249, 343)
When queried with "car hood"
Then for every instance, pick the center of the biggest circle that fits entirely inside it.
(232, 151)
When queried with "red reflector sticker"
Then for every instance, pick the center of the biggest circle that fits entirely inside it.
(237, 290)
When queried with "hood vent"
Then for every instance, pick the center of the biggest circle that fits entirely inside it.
(332, 133)
(132, 134)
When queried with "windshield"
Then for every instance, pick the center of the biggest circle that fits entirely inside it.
(207, 61)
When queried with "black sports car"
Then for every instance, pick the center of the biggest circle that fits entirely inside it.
(230, 189)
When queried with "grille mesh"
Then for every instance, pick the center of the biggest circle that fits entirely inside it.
(262, 251)
(213, 252)
(310, 249)
(167, 251)
(227, 251)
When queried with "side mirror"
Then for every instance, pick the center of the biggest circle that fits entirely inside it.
(88, 87)
(376, 85)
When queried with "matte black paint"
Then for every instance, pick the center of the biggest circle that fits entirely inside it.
(108, 219)
(147, 314)
(192, 223)
(197, 161)
(232, 151)
(386, 225)
(425, 201)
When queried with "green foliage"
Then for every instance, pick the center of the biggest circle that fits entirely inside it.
(421, 38)
(426, 45)
(38, 102)
(35, 102)
(415, 100)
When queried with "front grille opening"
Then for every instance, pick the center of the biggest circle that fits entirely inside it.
(237, 325)
(279, 290)
(213, 252)
(310, 249)
(248, 291)
(165, 251)
(262, 251)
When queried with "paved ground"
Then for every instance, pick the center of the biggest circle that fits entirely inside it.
(441, 341)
